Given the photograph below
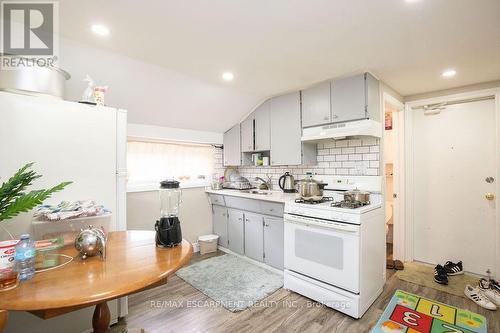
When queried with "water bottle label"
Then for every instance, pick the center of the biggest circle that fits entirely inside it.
(22, 254)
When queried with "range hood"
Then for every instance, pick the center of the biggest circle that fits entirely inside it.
(365, 127)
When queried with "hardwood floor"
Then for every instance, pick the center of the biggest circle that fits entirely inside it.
(179, 307)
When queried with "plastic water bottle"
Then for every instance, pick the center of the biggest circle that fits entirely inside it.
(25, 258)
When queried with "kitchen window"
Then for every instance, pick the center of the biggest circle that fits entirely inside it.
(150, 162)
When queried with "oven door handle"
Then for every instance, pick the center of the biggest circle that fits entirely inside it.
(304, 221)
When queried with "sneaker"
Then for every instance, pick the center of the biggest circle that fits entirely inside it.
(453, 269)
(440, 275)
(477, 297)
(495, 285)
(489, 291)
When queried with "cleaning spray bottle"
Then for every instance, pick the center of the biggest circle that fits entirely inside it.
(88, 94)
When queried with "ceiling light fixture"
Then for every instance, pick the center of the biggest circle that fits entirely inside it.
(449, 73)
(100, 30)
(227, 76)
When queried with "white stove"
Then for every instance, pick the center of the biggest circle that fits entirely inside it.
(336, 255)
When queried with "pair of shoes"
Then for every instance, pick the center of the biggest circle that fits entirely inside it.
(394, 264)
(454, 269)
(441, 273)
(478, 297)
(488, 288)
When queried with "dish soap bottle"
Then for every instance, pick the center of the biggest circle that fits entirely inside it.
(88, 94)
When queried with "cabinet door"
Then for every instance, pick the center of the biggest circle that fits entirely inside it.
(349, 99)
(286, 147)
(232, 149)
(316, 107)
(235, 231)
(247, 134)
(219, 218)
(262, 127)
(274, 242)
(254, 236)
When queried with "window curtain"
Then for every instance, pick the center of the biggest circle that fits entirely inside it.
(149, 162)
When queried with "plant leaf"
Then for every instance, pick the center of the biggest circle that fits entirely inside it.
(28, 201)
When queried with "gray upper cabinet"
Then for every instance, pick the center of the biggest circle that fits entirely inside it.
(219, 218)
(262, 127)
(247, 134)
(316, 107)
(235, 231)
(232, 148)
(274, 241)
(286, 131)
(254, 236)
(355, 98)
(286, 147)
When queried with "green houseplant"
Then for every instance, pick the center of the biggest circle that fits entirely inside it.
(14, 199)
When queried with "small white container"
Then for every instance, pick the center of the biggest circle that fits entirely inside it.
(69, 229)
(208, 243)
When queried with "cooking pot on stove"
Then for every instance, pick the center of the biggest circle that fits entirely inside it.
(309, 189)
(357, 196)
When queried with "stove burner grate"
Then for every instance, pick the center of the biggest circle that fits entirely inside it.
(349, 204)
(314, 202)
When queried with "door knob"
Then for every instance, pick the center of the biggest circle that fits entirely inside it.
(489, 196)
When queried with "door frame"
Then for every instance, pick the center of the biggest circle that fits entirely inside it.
(409, 172)
(398, 241)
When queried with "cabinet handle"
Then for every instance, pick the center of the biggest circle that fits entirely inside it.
(326, 118)
(266, 225)
(271, 210)
(335, 116)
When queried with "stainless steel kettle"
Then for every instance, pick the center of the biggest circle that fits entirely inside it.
(287, 183)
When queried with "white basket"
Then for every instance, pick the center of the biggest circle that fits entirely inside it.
(208, 243)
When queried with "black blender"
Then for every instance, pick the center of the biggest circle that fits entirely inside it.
(168, 227)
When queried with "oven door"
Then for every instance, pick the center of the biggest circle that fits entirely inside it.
(328, 252)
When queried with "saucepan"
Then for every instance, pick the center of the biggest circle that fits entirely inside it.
(357, 196)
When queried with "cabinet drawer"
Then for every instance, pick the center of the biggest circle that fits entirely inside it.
(243, 204)
(271, 208)
(217, 199)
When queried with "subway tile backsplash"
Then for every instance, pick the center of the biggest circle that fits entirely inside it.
(356, 156)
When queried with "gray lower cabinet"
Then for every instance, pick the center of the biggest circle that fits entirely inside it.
(236, 231)
(219, 217)
(254, 236)
(274, 241)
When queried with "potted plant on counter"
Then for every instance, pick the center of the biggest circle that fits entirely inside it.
(15, 199)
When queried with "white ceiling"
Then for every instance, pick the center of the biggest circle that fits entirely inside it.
(280, 45)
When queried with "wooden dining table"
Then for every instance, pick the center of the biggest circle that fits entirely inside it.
(133, 263)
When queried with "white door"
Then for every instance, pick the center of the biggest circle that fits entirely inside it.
(454, 152)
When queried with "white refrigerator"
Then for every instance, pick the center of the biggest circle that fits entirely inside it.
(68, 141)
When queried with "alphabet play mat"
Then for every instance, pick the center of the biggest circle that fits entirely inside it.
(410, 313)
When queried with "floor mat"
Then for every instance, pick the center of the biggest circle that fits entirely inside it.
(412, 314)
(232, 282)
(423, 275)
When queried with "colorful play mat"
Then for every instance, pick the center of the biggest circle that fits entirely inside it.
(414, 314)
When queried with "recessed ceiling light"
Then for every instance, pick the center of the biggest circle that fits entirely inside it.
(449, 73)
(100, 30)
(227, 76)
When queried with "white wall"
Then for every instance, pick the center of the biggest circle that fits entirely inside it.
(173, 134)
(153, 94)
(143, 209)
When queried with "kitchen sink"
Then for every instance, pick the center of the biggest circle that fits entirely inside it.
(259, 192)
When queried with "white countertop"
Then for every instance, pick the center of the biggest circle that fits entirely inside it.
(275, 196)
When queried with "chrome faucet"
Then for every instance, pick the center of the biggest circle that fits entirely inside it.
(265, 185)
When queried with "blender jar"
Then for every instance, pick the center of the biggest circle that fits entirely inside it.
(170, 198)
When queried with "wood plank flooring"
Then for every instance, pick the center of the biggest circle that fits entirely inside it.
(179, 307)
